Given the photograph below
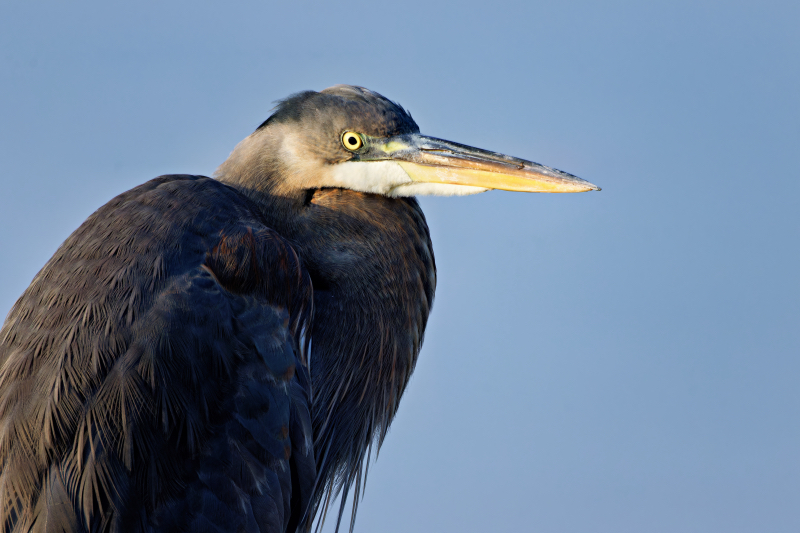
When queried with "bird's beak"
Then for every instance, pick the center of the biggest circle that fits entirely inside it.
(431, 160)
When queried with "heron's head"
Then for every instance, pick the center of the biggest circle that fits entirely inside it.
(353, 138)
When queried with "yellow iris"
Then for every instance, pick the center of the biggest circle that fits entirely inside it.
(352, 140)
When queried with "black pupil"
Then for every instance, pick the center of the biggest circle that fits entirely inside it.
(352, 140)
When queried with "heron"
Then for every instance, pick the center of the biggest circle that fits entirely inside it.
(222, 354)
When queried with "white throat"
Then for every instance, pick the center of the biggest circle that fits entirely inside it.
(389, 179)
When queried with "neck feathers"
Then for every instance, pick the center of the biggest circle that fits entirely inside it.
(371, 263)
(376, 277)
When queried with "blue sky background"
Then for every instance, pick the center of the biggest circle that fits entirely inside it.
(622, 361)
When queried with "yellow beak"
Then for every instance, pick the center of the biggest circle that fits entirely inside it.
(430, 160)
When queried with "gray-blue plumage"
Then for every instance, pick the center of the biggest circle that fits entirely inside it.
(152, 376)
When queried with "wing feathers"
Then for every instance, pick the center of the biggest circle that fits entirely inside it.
(152, 377)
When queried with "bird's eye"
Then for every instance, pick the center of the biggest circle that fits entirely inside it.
(352, 140)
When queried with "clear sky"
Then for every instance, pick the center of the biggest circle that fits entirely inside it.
(622, 361)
